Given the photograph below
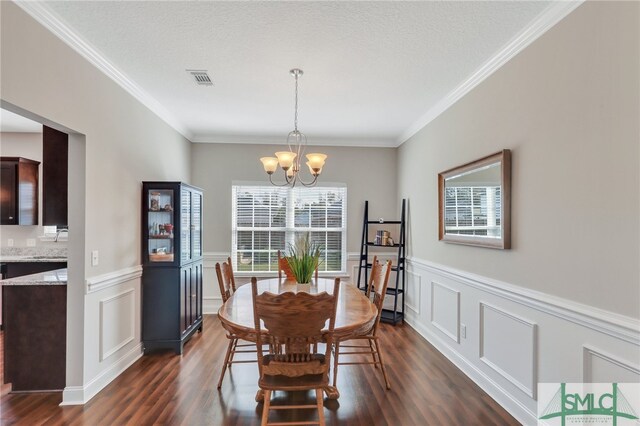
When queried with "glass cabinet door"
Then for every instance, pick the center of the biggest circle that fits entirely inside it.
(197, 224)
(160, 221)
(185, 226)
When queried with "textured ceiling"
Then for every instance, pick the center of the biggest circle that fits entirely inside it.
(371, 68)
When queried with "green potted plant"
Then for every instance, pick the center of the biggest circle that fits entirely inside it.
(303, 258)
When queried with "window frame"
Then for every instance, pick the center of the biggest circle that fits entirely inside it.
(289, 229)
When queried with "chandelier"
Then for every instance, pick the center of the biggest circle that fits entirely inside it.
(289, 161)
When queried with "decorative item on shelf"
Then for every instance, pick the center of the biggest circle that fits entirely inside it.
(304, 258)
(168, 228)
(154, 204)
(289, 161)
(167, 208)
(383, 238)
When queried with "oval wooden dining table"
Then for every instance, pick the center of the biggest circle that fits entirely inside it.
(355, 314)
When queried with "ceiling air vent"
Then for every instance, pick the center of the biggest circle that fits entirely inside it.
(201, 77)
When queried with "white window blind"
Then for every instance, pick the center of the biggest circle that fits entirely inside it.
(267, 219)
(471, 210)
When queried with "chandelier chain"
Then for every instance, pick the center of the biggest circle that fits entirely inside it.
(295, 117)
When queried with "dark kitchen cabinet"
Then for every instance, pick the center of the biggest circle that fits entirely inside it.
(55, 171)
(35, 337)
(172, 264)
(19, 269)
(19, 200)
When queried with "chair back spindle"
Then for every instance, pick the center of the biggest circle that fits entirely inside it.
(291, 338)
(226, 280)
(377, 288)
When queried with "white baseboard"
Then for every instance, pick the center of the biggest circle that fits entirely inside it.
(79, 395)
(502, 397)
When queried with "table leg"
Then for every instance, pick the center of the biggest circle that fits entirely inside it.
(260, 395)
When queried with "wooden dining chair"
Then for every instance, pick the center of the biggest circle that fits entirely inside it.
(227, 284)
(376, 288)
(283, 266)
(295, 323)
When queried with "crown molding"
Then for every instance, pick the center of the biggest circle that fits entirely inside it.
(361, 142)
(52, 22)
(546, 20)
(553, 14)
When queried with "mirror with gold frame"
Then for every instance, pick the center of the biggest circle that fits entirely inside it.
(475, 202)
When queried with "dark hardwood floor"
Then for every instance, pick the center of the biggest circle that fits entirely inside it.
(163, 388)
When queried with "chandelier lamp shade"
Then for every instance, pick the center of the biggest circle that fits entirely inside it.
(289, 161)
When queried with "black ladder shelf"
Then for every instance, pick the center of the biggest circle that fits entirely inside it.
(398, 265)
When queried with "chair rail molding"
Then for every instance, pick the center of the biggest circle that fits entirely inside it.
(609, 323)
(101, 282)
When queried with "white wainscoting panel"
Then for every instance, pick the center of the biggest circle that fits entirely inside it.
(117, 322)
(211, 298)
(413, 291)
(601, 367)
(508, 345)
(445, 310)
(517, 337)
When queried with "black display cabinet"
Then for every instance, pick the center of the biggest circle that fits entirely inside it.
(172, 264)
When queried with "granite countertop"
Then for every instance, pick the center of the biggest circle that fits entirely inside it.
(32, 259)
(33, 254)
(57, 277)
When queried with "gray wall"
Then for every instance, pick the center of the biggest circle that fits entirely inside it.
(568, 108)
(369, 173)
(124, 144)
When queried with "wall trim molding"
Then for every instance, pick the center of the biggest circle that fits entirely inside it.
(606, 322)
(529, 391)
(589, 352)
(121, 276)
(215, 256)
(56, 25)
(106, 354)
(417, 278)
(277, 140)
(80, 395)
(453, 336)
(540, 25)
(486, 383)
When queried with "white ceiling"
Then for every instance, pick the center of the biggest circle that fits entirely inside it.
(10, 122)
(372, 69)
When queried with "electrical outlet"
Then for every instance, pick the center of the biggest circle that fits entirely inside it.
(94, 258)
(10, 242)
(463, 331)
(31, 242)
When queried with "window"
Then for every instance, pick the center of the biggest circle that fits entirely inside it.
(267, 219)
(473, 210)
